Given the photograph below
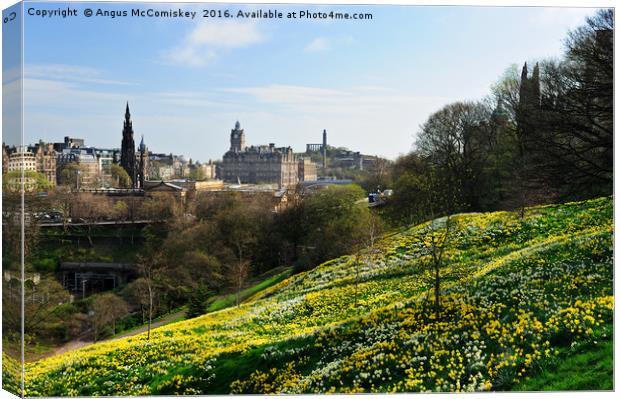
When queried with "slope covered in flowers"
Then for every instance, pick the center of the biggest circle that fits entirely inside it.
(515, 293)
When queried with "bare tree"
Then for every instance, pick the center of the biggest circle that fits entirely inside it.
(367, 250)
(41, 299)
(90, 209)
(438, 203)
(107, 308)
(148, 269)
(238, 275)
(439, 242)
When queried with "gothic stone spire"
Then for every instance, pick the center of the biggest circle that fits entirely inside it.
(128, 148)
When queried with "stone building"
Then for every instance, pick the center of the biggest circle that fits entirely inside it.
(166, 166)
(45, 158)
(87, 165)
(5, 159)
(264, 164)
(22, 158)
(200, 171)
(16, 159)
(106, 157)
(69, 142)
(40, 158)
(306, 170)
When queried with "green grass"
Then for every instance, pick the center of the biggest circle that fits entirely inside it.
(229, 300)
(588, 367)
(155, 320)
(527, 305)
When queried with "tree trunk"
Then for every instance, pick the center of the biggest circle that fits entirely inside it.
(89, 235)
(148, 335)
(437, 286)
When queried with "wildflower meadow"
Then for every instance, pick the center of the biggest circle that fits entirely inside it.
(519, 296)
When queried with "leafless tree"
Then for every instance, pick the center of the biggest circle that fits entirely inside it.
(149, 271)
(367, 251)
(107, 308)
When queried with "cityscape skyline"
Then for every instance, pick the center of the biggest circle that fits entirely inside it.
(367, 83)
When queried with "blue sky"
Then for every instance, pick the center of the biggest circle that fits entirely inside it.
(369, 83)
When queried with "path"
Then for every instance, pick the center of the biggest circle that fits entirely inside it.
(82, 342)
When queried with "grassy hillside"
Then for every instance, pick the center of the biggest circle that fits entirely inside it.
(518, 295)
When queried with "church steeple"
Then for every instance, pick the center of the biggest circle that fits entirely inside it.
(141, 172)
(128, 148)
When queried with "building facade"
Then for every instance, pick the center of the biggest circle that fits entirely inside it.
(22, 158)
(201, 171)
(40, 158)
(5, 158)
(264, 164)
(87, 172)
(69, 142)
(306, 170)
(45, 158)
(166, 166)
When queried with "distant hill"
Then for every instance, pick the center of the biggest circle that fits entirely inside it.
(518, 296)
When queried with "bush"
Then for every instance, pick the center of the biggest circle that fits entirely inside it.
(45, 265)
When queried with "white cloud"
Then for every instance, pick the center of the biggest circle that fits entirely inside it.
(67, 95)
(288, 95)
(317, 99)
(317, 44)
(203, 44)
(372, 119)
(321, 43)
(73, 73)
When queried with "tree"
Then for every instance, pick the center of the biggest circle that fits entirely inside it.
(119, 176)
(575, 146)
(33, 181)
(437, 201)
(149, 269)
(335, 217)
(12, 212)
(238, 227)
(197, 302)
(506, 92)
(238, 272)
(456, 140)
(62, 202)
(372, 230)
(291, 225)
(197, 173)
(107, 309)
(71, 175)
(90, 209)
(42, 297)
(120, 210)
(404, 206)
